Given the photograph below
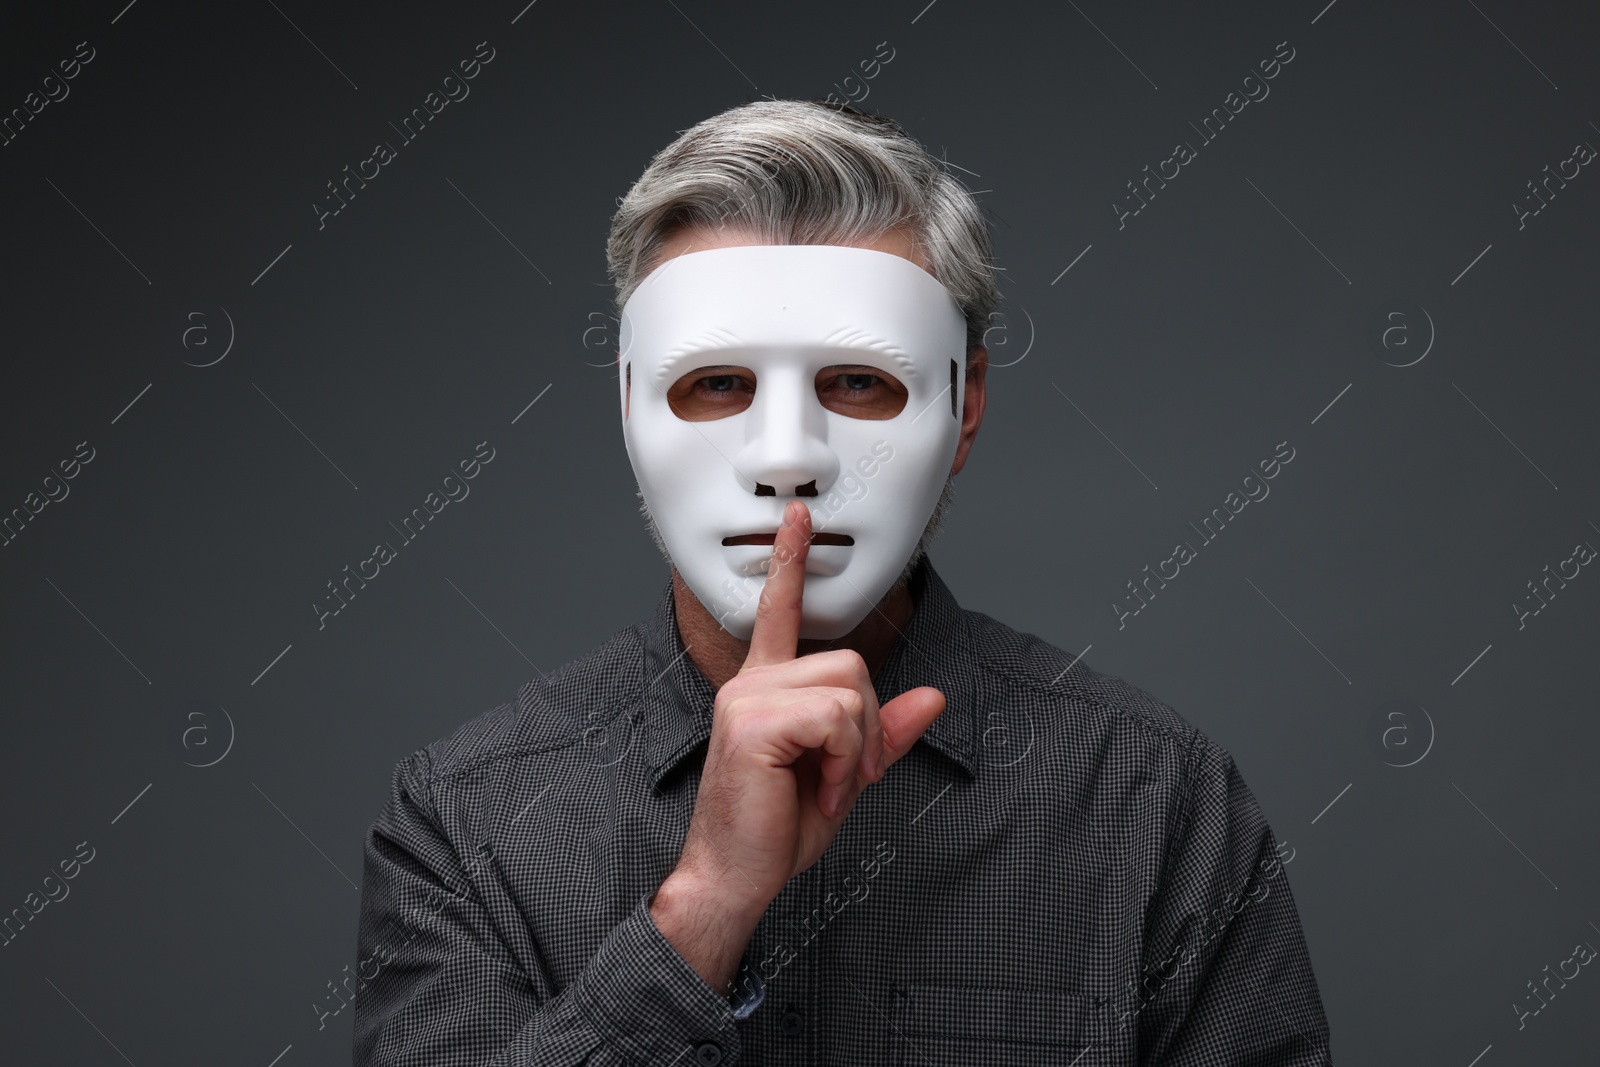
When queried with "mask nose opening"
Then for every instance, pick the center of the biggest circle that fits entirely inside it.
(808, 489)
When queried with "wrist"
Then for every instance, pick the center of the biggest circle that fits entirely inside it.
(685, 887)
(709, 931)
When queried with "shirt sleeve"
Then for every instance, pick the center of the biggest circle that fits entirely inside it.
(1226, 977)
(441, 988)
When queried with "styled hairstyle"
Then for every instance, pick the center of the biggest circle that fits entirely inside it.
(808, 172)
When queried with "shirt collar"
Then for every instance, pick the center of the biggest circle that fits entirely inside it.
(933, 649)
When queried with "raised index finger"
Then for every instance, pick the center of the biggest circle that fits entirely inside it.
(776, 636)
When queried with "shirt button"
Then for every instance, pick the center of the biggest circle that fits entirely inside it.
(708, 1054)
(791, 1023)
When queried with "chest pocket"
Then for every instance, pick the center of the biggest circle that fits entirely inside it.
(964, 1026)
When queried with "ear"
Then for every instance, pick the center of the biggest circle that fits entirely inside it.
(972, 405)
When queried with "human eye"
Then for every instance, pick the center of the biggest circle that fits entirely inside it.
(858, 383)
(719, 383)
(854, 382)
(711, 393)
(861, 392)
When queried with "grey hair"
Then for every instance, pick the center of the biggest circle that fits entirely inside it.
(808, 172)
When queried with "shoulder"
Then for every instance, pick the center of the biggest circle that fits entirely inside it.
(1106, 751)
(1137, 758)
(1020, 673)
(548, 713)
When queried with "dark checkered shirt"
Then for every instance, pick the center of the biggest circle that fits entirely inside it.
(1061, 871)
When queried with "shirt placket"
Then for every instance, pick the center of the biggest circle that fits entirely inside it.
(786, 1018)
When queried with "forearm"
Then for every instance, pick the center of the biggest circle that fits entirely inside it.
(637, 1001)
(451, 983)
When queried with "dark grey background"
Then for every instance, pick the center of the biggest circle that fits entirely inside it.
(468, 279)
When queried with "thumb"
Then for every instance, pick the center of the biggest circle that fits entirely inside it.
(906, 718)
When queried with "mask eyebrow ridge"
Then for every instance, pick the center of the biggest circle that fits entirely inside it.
(709, 340)
(857, 338)
(845, 337)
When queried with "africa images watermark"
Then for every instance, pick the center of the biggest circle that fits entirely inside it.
(852, 485)
(383, 953)
(1163, 971)
(1582, 554)
(1184, 153)
(13, 925)
(1582, 953)
(870, 68)
(848, 487)
(55, 491)
(411, 527)
(1582, 154)
(13, 123)
(384, 153)
(1255, 489)
(857, 887)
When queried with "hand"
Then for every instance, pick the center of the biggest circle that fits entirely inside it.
(793, 743)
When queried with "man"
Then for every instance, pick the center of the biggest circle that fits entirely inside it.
(812, 811)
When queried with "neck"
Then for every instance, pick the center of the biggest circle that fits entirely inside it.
(720, 655)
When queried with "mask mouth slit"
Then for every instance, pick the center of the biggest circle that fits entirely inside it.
(769, 538)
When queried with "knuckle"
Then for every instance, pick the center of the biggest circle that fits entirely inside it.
(836, 717)
(851, 723)
(855, 703)
(742, 732)
(733, 707)
(847, 665)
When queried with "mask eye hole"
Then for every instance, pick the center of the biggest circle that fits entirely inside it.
(708, 393)
(859, 391)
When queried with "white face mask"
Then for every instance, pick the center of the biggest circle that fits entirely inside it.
(777, 315)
